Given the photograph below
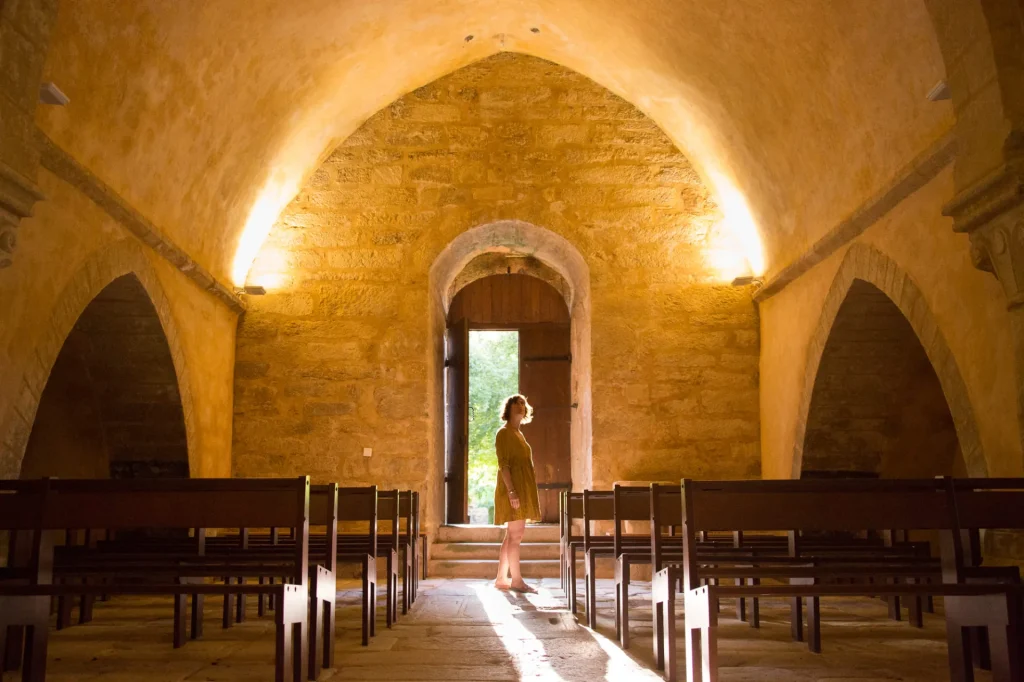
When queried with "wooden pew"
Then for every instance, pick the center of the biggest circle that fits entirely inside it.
(24, 619)
(359, 505)
(595, 506)
(838, 506)
(981, 504)
(389, 509)
(182, 504)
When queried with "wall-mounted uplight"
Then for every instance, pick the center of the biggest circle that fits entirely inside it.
(747, 280)
(49, 93)
(251, 290)
(939, 92)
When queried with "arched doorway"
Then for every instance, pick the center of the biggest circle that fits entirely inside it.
(877, 407)
(540, 253)
(506, 333)
(111, 406)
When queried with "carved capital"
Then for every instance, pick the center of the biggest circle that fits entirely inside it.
(992, 213)
(18, 195)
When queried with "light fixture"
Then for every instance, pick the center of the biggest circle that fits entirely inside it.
(746, 280)
(939, 92)
(252, 290)
(51, 94)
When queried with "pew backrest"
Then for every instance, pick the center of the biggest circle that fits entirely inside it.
(360, 504)
(629, 503)
(598, 505)
(323, 511)
(810, 505)
(666, 510)
(389, 508)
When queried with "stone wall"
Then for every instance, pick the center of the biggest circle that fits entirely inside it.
(335, 357)
(121, 369)
(911, 254)
(877, 405)
(68, 253)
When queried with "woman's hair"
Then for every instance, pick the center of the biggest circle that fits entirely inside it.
(506, 410)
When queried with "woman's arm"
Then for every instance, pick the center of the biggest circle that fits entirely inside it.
(504, 469)
(513, 497)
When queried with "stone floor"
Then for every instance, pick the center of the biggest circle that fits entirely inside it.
(465, 630)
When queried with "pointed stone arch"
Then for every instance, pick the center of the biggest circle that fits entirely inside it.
(557, 253)
(870, 265)
(43, 346)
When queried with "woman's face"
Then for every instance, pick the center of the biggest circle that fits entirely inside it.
(518, 410)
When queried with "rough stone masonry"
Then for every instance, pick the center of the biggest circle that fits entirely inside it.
(335, 357)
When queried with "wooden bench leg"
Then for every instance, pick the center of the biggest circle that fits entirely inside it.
(980, 648)
(64, 611)
(179, 620)
(814, 625)
(755, 606)
(960, 668)
(571, 568)
(316, 643)
(292, 620)
(622, 600)
(1000, 615)
(1005, 647)
(392, 593)
(369, 599)
(663, 595)
(328, 630)
(590, 588)
(85, 604)
(14, 644)
(240, 603)
(284, 655)
(36, 638)
(198, 601)
(702, 635)
(796, 619)
(29, 618)
(227, 615)
(407, 574)
(915, 614)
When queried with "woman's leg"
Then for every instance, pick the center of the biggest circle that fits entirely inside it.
(516, 529)
(502, 578)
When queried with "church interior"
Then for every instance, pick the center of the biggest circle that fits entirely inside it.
(269, 271)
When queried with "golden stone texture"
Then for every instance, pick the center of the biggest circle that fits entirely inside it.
(337, 357)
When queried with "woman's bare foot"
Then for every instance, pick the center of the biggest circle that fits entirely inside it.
(522, 587)
(503, 584)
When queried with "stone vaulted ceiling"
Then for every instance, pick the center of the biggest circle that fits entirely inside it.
(208, 116)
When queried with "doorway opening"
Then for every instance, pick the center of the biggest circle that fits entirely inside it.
(111, 407)
(505, 334)
(878, 409)
(493, 376)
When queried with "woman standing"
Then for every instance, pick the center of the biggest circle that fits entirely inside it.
(515, 498)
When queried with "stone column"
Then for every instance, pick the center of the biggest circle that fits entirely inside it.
(25, 27)
(992, 213)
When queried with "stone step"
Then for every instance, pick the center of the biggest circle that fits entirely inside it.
(489, 550)
(487, 568)
(467, 533)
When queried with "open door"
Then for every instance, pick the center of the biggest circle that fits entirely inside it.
(545, 378)
(456, 412)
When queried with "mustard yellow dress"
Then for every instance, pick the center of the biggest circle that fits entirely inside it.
(516, 454)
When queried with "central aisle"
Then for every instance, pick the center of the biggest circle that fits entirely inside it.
(466, 630)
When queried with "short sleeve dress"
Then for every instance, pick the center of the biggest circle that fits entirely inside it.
(515, 453)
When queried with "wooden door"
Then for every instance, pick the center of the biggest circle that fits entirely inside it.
(545, 365)
(456, 411)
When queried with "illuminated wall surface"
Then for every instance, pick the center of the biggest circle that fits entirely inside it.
(674, 348)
